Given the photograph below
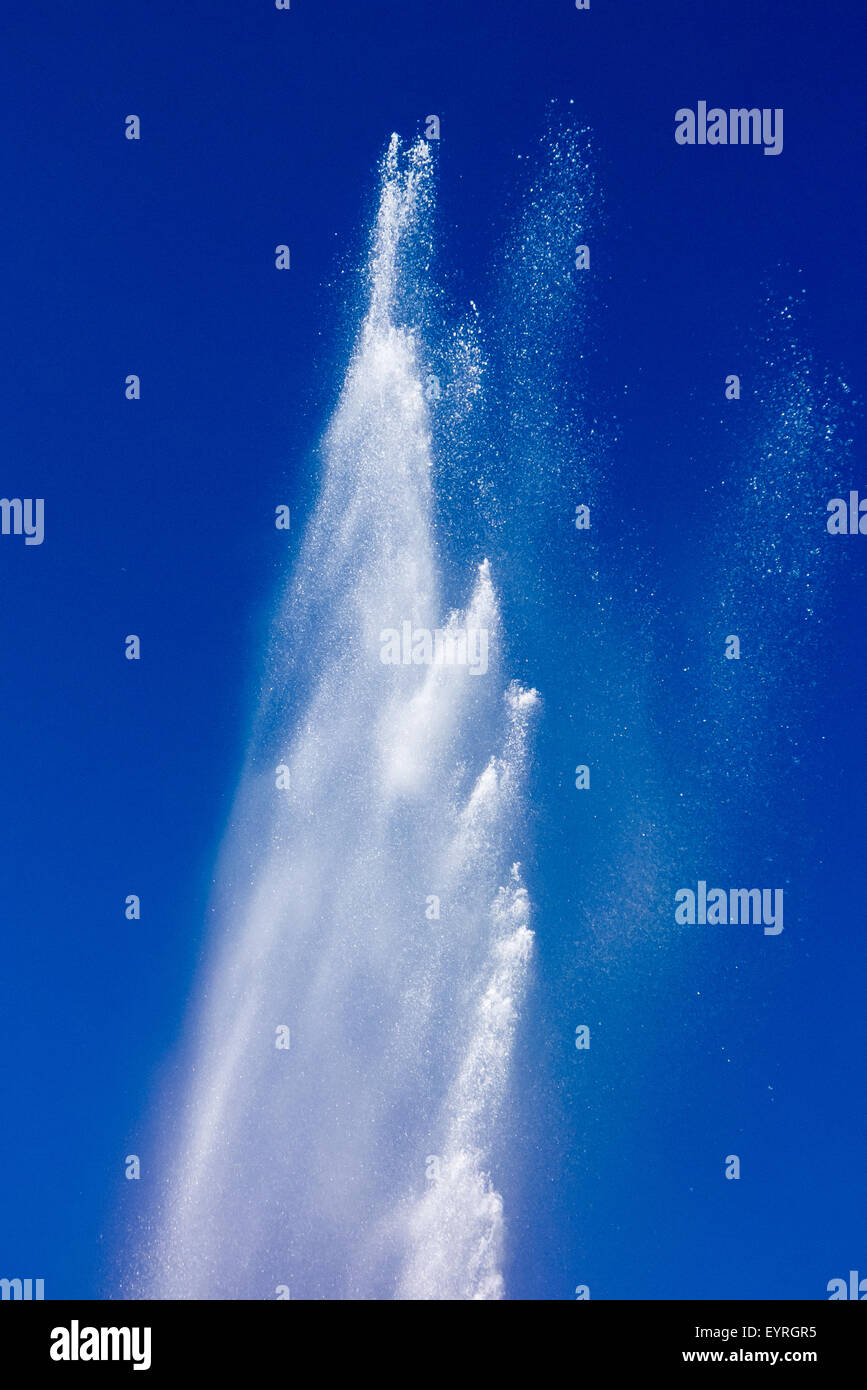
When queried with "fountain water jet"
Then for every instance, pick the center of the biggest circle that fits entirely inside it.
(306, 1167)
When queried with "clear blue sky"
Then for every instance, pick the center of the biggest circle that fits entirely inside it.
(157, 258)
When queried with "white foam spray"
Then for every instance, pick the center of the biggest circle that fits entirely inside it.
(372, 907)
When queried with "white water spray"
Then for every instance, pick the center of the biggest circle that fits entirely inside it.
(373, 908)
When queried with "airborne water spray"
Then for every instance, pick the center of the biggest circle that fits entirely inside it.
(353, 1033)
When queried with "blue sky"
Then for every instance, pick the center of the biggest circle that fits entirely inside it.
(156, 257)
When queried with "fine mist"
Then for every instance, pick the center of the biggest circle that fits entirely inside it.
(350, 1050)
